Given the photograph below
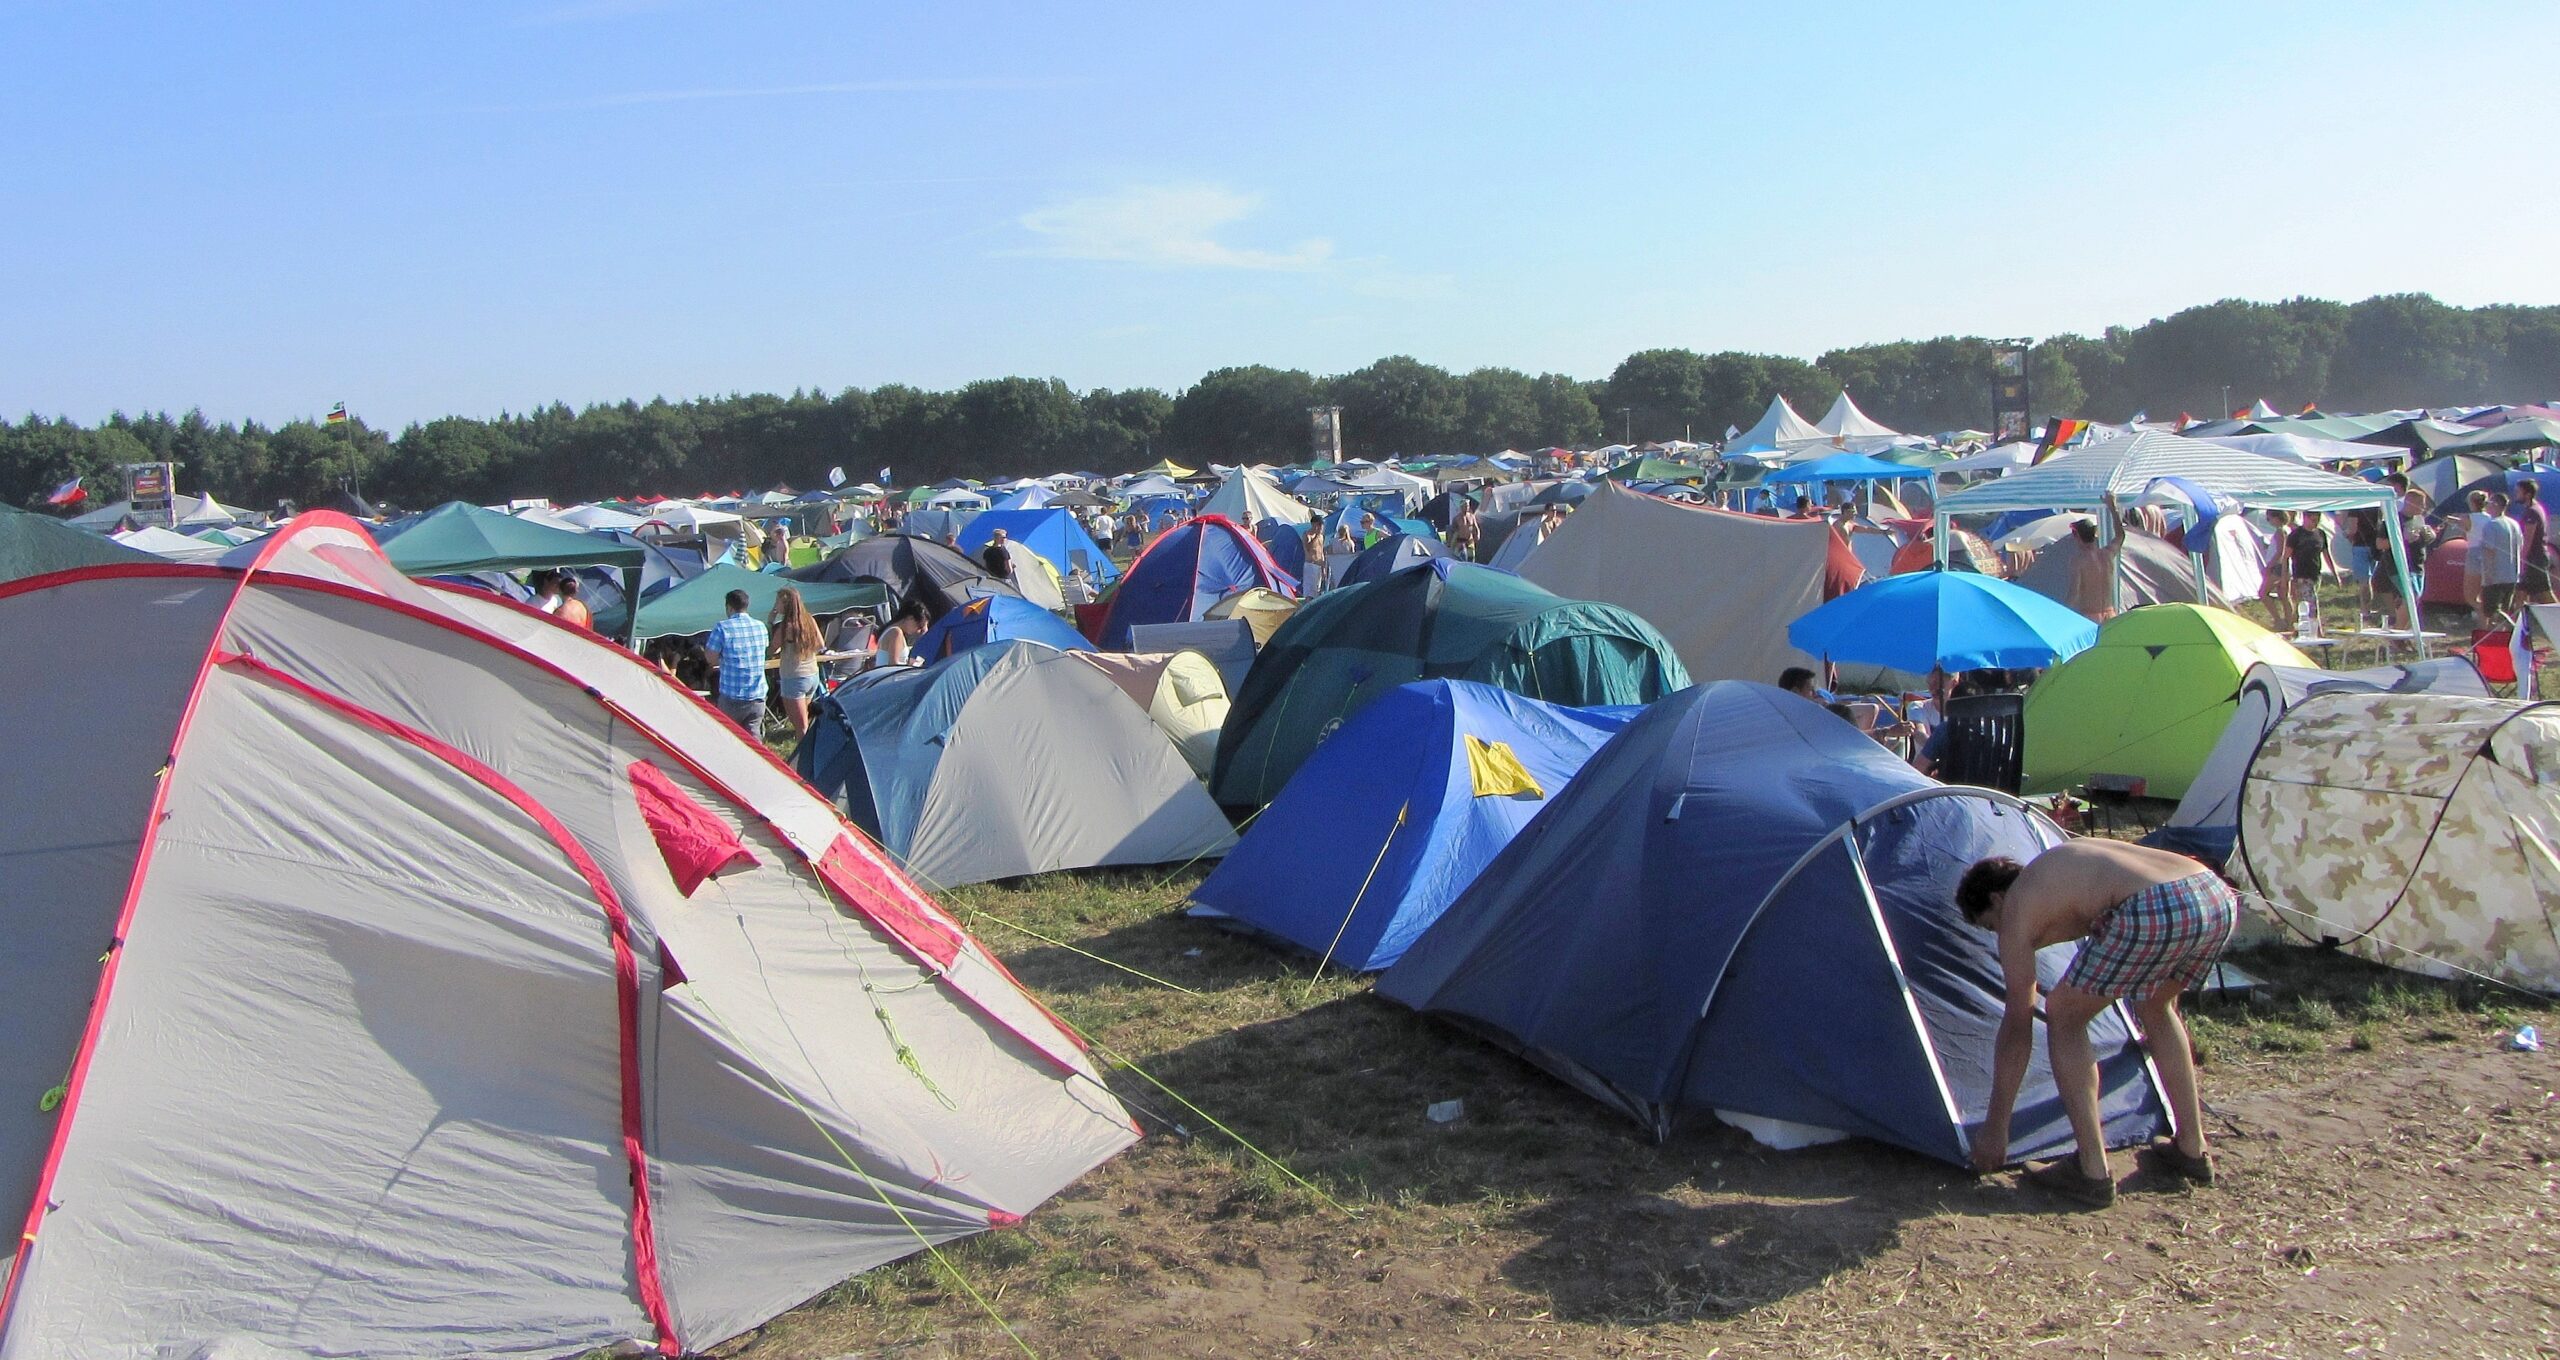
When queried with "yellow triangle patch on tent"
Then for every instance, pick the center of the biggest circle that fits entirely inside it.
(1497, 772)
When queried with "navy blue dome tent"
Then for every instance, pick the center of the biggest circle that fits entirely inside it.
(1389, 555)
(1187, 570)
(1743, 905)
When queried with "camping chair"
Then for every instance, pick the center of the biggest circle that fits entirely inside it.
(2493, 651)
(1986, 744)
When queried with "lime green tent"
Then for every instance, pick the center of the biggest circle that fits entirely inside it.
(31, 545)
(699, 603)
(2148, 701)
(1651, 469)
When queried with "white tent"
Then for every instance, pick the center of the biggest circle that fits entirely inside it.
(1153, 486)
(1721, 587)
(169, 543)
(190, 512)
(470, 988)
(1852, 429)
(2296, 448)
(1248, 498)
(1779, 431)
(589, 517)
(676, 520)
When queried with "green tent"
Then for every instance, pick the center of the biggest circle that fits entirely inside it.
(31, 545)
(458, 538)
(1651, 469)
(696, 605)
(2148, 701)
(1441, 620)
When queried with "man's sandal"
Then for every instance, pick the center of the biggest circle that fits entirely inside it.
(2065, 1179)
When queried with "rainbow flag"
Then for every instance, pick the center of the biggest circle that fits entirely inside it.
(337, 414)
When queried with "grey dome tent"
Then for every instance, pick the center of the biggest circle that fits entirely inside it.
(469, 988)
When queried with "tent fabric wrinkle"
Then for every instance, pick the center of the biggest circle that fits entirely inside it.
(697, 844)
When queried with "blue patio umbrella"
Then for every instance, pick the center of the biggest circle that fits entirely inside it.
(1960, 620)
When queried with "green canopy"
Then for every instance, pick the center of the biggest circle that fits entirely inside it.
(701, 602)
(31, 545)
(457, 538)
(1649, 469)
(1443, 620)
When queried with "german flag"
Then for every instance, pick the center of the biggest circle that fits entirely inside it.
(2058, 432)
(337, 414)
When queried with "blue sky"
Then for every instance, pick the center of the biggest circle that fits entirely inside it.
(428, 208)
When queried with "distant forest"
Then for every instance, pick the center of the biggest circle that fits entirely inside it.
(2384, 352)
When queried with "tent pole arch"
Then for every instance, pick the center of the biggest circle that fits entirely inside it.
(1910, 1003)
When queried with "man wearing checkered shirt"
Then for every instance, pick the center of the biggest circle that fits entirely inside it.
(737, 646)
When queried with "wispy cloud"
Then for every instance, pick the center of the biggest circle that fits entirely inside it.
(1169, 226)
(632, 98)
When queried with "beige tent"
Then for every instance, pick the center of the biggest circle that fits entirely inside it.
(1262, 610)
(1721, 586)
(1181, 692)
(2417, 830)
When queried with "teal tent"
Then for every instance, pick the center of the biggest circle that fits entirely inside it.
(696, 605)
(31, 545)
(1445, 620)
(457, 539)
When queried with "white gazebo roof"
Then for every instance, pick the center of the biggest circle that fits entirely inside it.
(2083, 478)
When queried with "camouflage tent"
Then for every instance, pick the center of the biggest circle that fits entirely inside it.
(2417, 830)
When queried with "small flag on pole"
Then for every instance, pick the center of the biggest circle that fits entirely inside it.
(338, 414)
(835, 476)
(884, 477)
(69, 493)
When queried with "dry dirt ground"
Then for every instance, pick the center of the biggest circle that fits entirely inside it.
(2388, 1187)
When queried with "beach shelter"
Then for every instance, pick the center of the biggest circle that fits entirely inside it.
(2148, 701)
(696, 605)
(995, 618)
(1721, 586)
(32, 544)
(1057, 536)
(2208, 818)
(1743, 905)
(1778, 431)
(1412, 796)
(914, 570)
(1445, 620)
(1008, 759)
(1249, 498)
(1186, 570)
(2415, 830)
(1180, 692)
(418, 976)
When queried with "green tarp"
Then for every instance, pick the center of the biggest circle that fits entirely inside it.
(31, 545)
(1655, 470)
(1444, 620)
(458, 538)
(701, 602)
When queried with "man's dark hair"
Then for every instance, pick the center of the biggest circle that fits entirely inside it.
(568, 586)
(1793, 676)
(737, 601)
(2397, 481)
(2527, 489)
(1987, 876)
(2086, 530)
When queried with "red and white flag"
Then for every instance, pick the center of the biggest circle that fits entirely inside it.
(69, 493)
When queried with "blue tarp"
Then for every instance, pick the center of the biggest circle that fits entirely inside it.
(996, 618)
(1382, 828)
(1054, 534)
(1681, 931)
(1192, 567)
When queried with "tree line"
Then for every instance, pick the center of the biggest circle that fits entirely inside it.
(2384, 352)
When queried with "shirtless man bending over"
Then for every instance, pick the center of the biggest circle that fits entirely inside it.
(2154, 923)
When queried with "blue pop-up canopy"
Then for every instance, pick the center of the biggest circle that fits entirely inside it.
(1844, 467)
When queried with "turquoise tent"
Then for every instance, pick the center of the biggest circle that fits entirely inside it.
(1444, 620)
(696, 605)
(460, 539)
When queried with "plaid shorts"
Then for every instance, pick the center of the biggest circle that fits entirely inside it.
(2168, 931)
